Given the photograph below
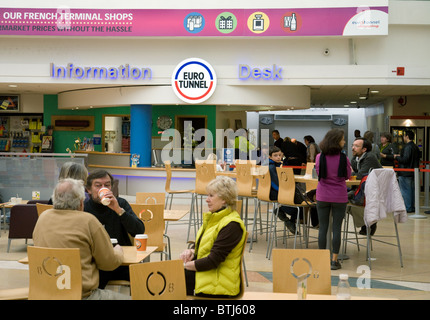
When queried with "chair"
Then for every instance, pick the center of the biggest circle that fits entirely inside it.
(23, 218)
(246, 186)
(37, 201)
(169, 191)
(374, 196)
(164, 280)
(311, 184)
(263, 195)
(291, 263)
(152, 216)
(14, 294)
(205, 173)
(287, 187)
(55, 274)
(42, 207)
(150, 197)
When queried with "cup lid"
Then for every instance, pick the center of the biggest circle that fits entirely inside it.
(141, 236)
(113, 240)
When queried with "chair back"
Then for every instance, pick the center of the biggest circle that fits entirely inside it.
(23, 219)
(242, 270)
(43, 207)
(264, 184)
(205, 173)
(239, 207)
(55, 274)
(244, 179)
(291, 263)
(150, 197)
(163, 280)
(310, 185)
(152, 216)
(287, 186)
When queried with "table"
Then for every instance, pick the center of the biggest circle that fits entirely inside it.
(293, 296)
(131, 255)
(308, 178)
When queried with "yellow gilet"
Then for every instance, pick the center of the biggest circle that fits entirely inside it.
(224, 280)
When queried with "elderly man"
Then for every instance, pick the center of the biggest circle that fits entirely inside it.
(117, 217)
(362, 162)
(67, 226)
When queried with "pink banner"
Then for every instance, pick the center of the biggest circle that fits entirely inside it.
(195, 22)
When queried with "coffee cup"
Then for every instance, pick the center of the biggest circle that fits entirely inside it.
(13, 200)
(114, 241)
(141, 240)
(353, 178)
(102, 196)
(18, 200)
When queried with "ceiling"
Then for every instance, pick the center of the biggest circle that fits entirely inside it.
(321, 96)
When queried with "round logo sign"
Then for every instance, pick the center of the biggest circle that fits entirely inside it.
(194, 80)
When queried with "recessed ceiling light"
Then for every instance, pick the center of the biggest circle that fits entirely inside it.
(362, 97)
(346, 105)
(374, 91)
(13, 86)
(353, 102)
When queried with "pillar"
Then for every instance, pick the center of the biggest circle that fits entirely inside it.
(140, 133)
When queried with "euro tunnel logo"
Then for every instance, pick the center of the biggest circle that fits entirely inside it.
(194, 80)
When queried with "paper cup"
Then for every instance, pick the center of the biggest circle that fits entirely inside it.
(114, 241)
(141, 240)
(13, 200)
(102, 196)
(18, 200)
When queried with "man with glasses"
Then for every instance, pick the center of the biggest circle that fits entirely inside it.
(362, 162)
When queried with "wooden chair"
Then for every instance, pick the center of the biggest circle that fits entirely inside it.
(205, 173)
(42, 207)
(290, 263)
(167, 188)
(150, 197)
(287, 187)
(23, 218)
(14, 294)
(55, 274)
(310, 185)
(263, 195)
(164, 280)
(152, 216)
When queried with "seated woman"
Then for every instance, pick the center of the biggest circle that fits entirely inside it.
(212, 267)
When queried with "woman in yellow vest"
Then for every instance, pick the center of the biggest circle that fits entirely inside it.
(212, 267)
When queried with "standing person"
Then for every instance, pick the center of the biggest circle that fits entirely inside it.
(409, 158)
(212, 267)
(278, 140)
(312, 148)
(292, 155)
(387, 150)
(333, 168)
(67, 226)
(118, 218)
(375, 148)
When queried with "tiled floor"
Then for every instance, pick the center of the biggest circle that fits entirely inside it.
(388, 279)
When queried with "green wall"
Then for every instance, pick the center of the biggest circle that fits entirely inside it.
(65, 139)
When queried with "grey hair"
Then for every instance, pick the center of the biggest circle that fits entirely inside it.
(73, 170)
(68, 194)
(225, 188)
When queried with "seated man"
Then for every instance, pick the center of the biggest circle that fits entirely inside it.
(362, 162)
(118, 218)
(275, 160)
(67, 226)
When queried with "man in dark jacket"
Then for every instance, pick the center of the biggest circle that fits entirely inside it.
(409, 158)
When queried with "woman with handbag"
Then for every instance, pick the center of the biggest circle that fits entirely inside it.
(333, 168)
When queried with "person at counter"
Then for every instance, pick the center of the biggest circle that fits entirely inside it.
(117, 217)
(67, 226)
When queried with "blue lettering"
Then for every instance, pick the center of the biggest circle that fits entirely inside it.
(246, 72)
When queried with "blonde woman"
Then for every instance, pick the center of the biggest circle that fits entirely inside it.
(212, 267)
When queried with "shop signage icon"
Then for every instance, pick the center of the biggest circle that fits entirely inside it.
(194, 80)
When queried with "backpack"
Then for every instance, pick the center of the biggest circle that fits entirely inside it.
(359, 197)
